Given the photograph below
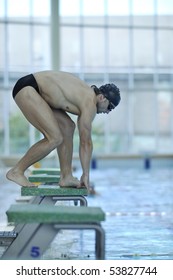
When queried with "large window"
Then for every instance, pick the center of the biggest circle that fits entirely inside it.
(127, 42)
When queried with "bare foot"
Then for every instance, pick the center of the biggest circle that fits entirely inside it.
(69, 182)
(18, 178)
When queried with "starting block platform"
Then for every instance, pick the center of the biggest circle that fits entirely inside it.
(41, 223)
(49, 194)
(48, 171)
(44, 178)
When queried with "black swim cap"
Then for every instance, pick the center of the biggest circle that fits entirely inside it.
(111, 92)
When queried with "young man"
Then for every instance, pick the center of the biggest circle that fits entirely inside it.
(45, 98)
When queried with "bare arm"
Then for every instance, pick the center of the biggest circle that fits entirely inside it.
(86, 146)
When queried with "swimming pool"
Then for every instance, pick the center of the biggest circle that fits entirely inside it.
(139, 216)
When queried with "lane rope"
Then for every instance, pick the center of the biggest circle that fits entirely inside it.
(152, 213)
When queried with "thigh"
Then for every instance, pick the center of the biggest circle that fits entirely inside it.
(37, 111)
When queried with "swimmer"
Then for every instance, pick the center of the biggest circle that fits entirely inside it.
(45, 99)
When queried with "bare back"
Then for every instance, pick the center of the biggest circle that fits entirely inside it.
(65, 91)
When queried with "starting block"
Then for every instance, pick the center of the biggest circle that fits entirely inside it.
(44, 178)
(49, 194)
(48, 171)
(41, 223)
(45, 194)
(45, 175)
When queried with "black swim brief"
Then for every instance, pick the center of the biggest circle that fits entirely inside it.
(25, 81)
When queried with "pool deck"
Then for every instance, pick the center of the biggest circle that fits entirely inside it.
(139, 215)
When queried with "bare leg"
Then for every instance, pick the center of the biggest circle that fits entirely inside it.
(65, 159)
(39, 114)
(34, 154)
(65, 150)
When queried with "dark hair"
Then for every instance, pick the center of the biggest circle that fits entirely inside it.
(110, 91)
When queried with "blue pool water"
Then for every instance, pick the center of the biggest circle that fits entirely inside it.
(139, 216)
